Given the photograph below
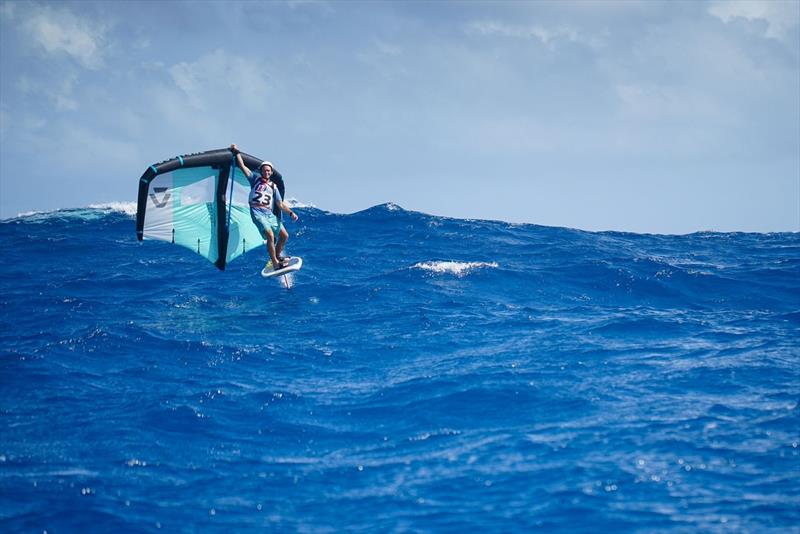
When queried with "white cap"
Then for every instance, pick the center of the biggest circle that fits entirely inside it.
(266, 163)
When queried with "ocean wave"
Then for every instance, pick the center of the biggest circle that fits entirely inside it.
(457, 268)
(94, 211)
(128, 208)
(88, 213)
(294, 203)
(32, 216)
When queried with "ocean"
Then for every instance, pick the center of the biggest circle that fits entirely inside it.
(421, 374)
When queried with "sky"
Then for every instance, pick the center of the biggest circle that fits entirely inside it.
(643, 116)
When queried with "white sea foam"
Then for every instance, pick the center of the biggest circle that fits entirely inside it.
(457, 268)
(128, 208)
(24, 214)
(33, 216)
(294, 203)
(92, 211)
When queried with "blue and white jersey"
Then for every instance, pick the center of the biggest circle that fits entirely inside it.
(263, 195)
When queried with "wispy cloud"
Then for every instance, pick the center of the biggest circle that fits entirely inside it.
(219, 77)
(323, 5)
(59, 31)
(779, 17)
(547, 36)
(652, 102)
(60, 94)
(384, 58)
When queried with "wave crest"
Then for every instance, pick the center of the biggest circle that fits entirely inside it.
(457, 268)
(91, 211)
(294, 203)
(128, 208)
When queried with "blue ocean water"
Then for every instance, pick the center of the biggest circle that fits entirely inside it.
(422, 374)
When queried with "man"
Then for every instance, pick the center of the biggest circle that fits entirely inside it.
(264, 197)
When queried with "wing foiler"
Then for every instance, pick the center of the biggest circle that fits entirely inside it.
(199, 201)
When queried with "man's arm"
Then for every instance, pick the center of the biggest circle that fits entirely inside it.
(288, 210)
(240, 161)
(283, 206)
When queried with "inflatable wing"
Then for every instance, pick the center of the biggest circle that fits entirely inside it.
(199, 201)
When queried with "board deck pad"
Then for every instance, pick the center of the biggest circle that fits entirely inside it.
(295, 263)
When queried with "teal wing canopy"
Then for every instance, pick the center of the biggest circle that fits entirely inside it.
(243, 236)
(199, 201)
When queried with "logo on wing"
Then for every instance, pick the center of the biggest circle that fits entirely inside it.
(164, 199)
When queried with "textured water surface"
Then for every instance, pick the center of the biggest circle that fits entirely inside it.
(422, 374)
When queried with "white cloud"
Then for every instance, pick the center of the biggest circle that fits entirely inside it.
(59, 31)
(322, 5)
(221, 77)
(185, 78)
(388, 49)
(60, 94)
(143, 43)
(57, 141)
(780, 16)
(653, 102)
(547, 36)
(384, 58)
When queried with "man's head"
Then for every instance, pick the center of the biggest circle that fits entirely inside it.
(266, 169)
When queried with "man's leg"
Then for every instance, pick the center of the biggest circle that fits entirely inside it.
(282, 238)
(270, 241)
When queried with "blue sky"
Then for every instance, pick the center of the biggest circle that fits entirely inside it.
(641, 116)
